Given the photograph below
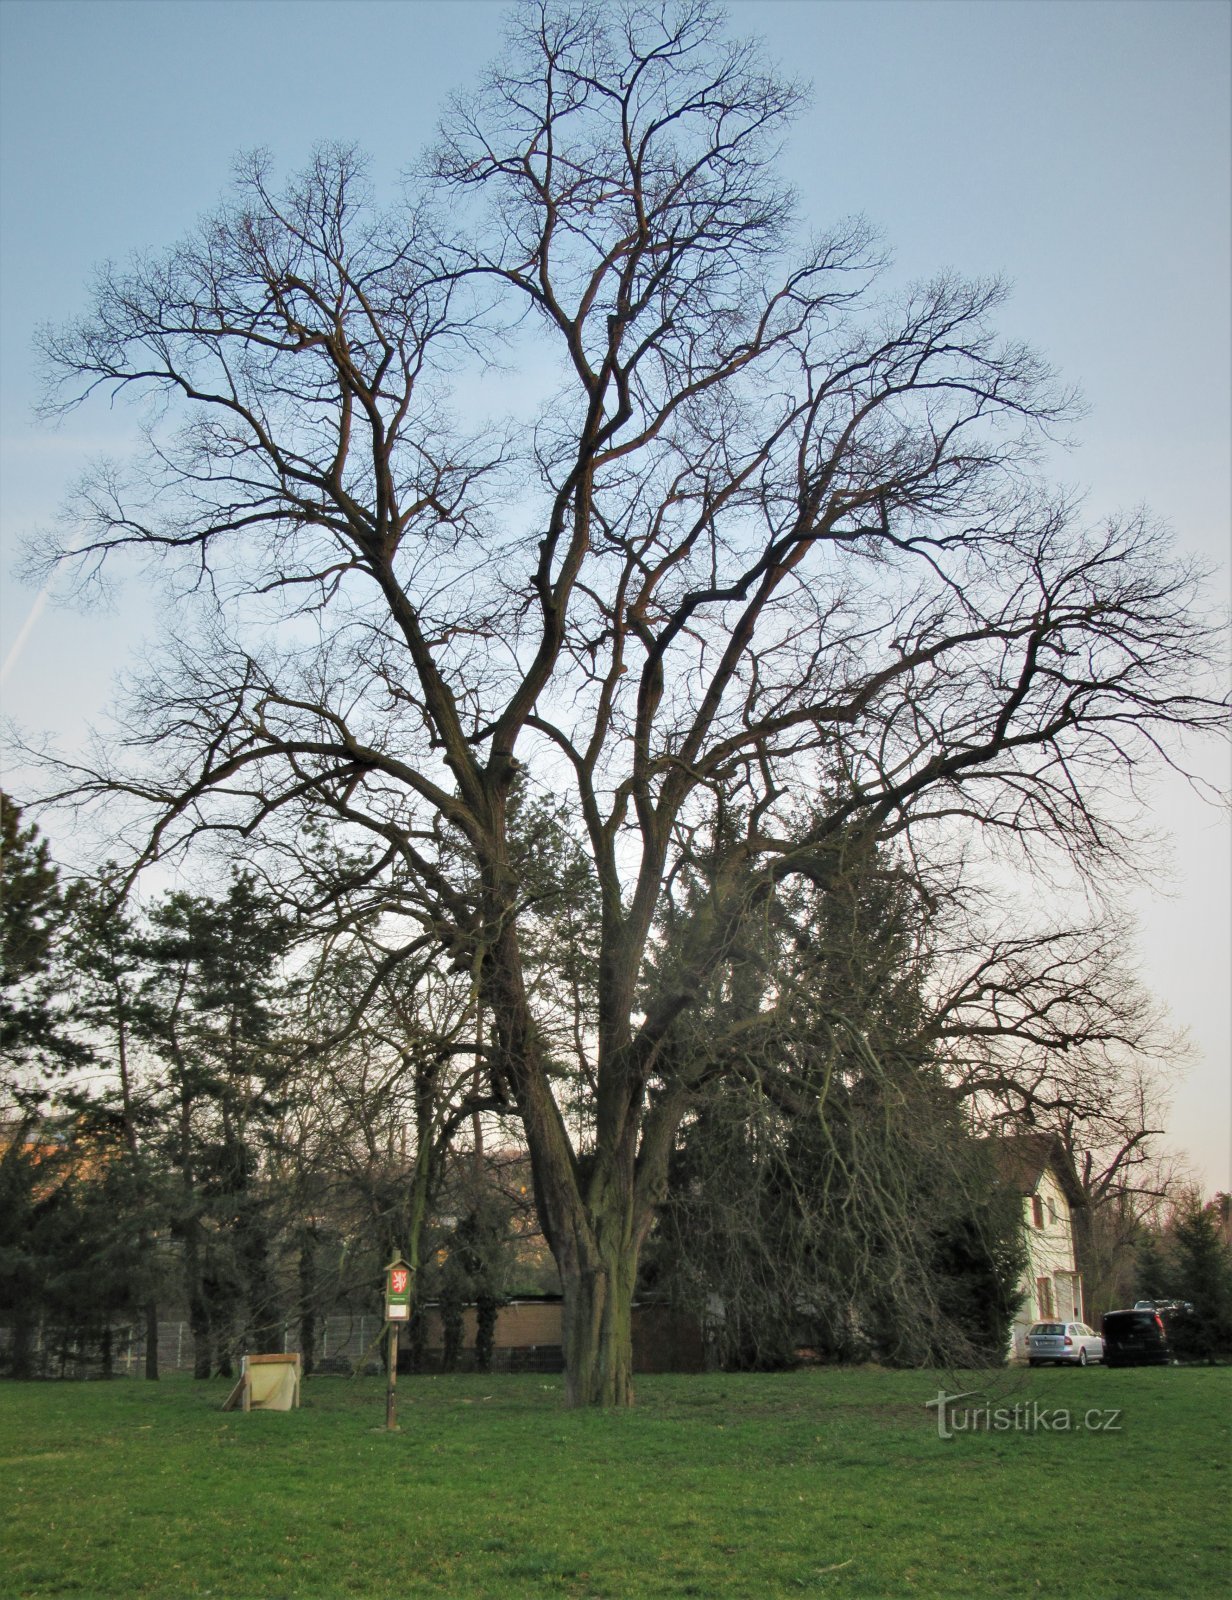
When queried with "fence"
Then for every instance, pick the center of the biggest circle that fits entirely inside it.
(344, 1341)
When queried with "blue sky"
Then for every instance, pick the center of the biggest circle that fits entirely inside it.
(1082, 149)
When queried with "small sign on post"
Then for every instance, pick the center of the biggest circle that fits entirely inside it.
(397, 1310)
(397, 1291)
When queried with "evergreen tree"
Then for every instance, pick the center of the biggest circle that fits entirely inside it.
(108, 961)
(209, 1010)
(1203, 1279)
(34, 1038)
(826, 1193)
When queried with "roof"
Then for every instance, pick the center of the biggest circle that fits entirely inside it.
(1023, 1158)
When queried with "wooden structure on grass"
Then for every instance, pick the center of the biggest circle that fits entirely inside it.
(267, 1383)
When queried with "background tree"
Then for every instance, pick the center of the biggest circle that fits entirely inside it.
(26, 1204)
(828, 1194)
(385, 1083)
(74, 1261)
(35, 1039)
(1188, 1259)
(475, 1261)
(1046, 1028)
(772, 534)
(1204, 1279)
(208, 1010)
(105, 962)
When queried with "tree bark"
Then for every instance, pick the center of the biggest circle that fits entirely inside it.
(598, 1320)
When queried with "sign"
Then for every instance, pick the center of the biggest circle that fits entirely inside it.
(397, 1291)
(397, 1309)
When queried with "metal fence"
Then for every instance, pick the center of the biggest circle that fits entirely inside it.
(344, 1342)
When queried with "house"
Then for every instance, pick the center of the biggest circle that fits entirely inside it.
(528, 1338)
(1038, 1167)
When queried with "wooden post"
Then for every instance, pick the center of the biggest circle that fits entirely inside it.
(397, 1311)
(391, 1391)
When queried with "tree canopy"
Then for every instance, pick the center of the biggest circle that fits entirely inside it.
(584, 469)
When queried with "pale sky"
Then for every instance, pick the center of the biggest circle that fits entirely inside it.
(1082, 149)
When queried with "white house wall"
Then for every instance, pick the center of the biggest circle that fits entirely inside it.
(1050, 1254)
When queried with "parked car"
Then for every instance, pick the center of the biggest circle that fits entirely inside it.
(1064, 1342)
(1135, 1338)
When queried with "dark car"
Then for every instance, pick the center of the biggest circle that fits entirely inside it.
(1135, 1338)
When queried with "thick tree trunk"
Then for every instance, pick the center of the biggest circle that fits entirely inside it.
(588, 1307)
(598, 1331)
(587, 1216)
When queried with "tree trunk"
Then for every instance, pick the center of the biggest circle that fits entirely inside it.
(203, 1350)
(264, 1316)
(145, 1240)
(151, 1339)
(198, 1311)
(21, 1352)
(588, 1223)
(598, 1331)
(307, 1302)
(487, 1309)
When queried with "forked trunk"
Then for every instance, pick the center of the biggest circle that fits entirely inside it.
(586, 1208)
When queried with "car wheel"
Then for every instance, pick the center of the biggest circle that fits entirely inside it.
(1034, 1363)
(1082, 1358)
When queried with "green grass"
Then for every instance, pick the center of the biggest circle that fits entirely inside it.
(819, 1483)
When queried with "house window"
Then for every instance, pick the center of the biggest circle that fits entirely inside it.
(1037, 1211)
(1043, 1298)
(1052, 1211)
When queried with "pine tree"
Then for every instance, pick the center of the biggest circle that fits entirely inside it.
(34, 1039)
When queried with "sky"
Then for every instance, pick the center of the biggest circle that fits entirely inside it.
(1083, 150)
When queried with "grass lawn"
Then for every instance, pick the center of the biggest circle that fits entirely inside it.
(821, 1482)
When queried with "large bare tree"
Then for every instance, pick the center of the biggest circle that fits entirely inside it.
(580, 471)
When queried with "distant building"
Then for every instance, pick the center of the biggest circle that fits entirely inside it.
(528, 1338)
(1038, 1167)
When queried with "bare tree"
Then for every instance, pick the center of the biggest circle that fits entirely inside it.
(771, 534)
(386, 1078)
(1048, 1026)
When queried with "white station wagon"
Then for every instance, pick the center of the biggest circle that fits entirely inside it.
(1064, 1342)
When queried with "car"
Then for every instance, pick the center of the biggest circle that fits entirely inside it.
(1136, 1338)
(1066, 1343)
